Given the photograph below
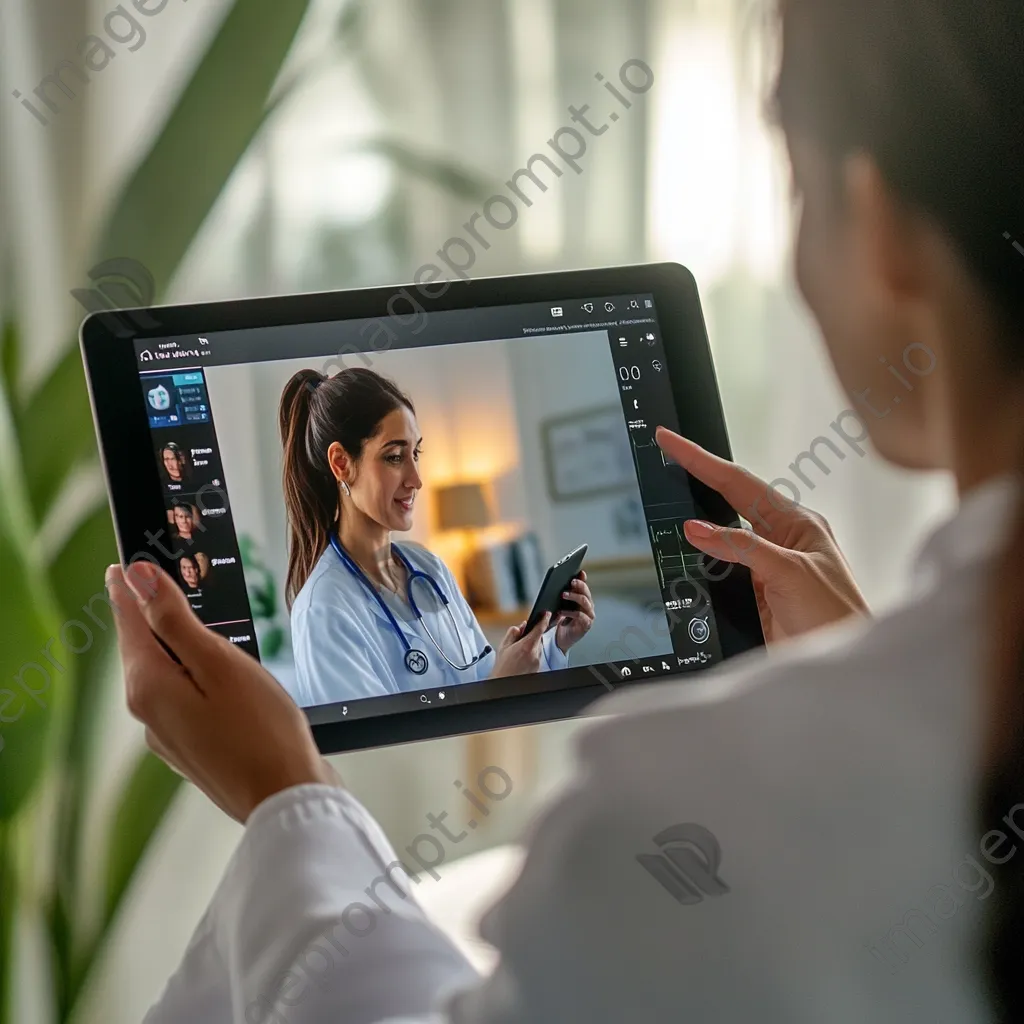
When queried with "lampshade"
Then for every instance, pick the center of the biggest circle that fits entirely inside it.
(462, 507)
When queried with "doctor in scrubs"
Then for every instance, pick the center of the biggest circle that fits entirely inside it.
(371, 616)
(832, 833)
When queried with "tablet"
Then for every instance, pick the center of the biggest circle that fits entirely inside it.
(556, 579)
(468, 433)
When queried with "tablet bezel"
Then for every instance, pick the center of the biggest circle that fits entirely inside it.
(107, 343)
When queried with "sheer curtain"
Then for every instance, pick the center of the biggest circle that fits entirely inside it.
(389, 143)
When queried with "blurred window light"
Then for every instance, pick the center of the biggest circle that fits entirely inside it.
(717, 195)
(536, 114)
(320, 174)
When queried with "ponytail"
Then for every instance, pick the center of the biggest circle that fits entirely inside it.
(310, 492)
(316, 411)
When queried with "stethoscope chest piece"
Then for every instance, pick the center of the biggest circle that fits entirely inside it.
(416, 662)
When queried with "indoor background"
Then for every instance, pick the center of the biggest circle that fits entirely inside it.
(230, 159)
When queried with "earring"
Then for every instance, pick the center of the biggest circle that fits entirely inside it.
(345, 489)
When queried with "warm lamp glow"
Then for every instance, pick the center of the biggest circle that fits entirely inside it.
(462, 507)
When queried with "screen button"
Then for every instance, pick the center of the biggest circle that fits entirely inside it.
(699, 630)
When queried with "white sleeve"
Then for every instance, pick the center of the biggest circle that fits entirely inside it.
(315, 922)
(554, 659)
(337, 660)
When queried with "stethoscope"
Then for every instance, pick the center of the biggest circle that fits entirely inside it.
(415, 659)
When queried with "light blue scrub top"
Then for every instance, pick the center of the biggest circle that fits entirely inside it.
(345, 648)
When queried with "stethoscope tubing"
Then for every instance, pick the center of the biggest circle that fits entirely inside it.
(412, 574)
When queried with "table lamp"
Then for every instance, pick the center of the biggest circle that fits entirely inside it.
(462, 507)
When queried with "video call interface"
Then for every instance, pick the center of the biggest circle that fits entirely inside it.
(536, 435)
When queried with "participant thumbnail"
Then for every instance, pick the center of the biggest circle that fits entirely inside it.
(175, 465)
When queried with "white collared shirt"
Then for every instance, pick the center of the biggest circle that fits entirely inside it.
(845, 878)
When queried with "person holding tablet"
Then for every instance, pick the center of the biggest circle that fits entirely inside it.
(832, 832)
(369, 616)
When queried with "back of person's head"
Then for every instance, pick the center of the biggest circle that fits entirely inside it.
(315, 411)
(933, 92)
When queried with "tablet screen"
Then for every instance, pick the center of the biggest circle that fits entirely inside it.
(478, 447)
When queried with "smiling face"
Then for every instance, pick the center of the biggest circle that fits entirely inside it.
(171, 464)
(183, 521)
(385, 479)
(189, 573)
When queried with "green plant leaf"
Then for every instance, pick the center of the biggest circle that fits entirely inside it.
(141, 808)
(31, 685)
(55, 431)
(10, 360)
(215, 119)
(77, 575)
(143, 804)
(8, 915)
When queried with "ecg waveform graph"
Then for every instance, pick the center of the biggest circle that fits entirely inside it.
(673, 556)
(647, 453)
(662, 483)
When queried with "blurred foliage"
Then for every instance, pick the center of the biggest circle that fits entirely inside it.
(50, 722)
(263, 598)
(50, 727)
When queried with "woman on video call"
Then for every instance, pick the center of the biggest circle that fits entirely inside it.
(351, 477)
(856, 793)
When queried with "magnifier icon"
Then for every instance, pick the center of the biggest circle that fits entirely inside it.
(423, 699)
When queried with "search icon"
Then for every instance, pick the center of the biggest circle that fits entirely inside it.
(423, 699)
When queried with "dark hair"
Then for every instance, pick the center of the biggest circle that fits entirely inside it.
(316, 411)
(179, 456)
(933, 91)
(181, 562)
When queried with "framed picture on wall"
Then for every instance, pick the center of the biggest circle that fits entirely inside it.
(587, 454)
